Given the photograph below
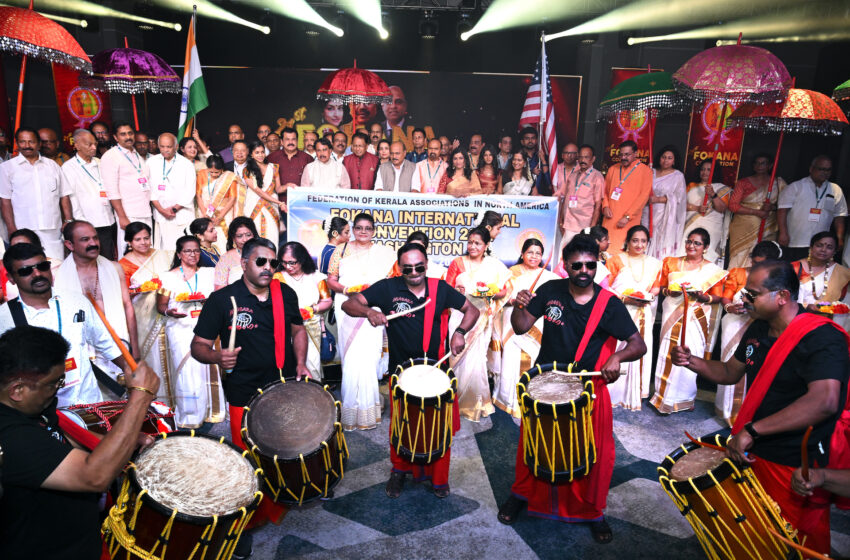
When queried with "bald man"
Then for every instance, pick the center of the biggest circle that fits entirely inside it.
(88, 197)
(395, 175)
(172, 192)
(50, 146)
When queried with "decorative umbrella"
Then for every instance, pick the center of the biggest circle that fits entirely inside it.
(733, 74)
(842, 92)
(28, 33)
(653, 91)
(352, 86)
(132, 71)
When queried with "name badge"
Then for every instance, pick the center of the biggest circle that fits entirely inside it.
(814, 214)
(210, 210)
(616, 194)
(142, 181)
(102, 194)
(70, 364)
(161, 187)
(195, 313)
(573, 202)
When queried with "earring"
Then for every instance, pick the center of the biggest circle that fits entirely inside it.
(334, 234)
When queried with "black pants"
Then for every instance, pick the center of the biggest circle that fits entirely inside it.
(108, 246)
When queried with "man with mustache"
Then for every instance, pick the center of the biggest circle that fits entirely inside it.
(582, 324)
(429, 172)
(290, 160)
(325, 172)
(84, 272)
(310, 139)
(69, 313)
(340, 142)
(395, 112)
(50, 146)
(34, 193)
(376, 133)
(796, 366)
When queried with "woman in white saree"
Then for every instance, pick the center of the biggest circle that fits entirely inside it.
(708, 209)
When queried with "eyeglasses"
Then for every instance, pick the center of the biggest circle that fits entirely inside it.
(752, 296)
(58, 384)
(408, 269)
(364, 228)
(694, 243)
(824, 169)
(289, 263)
(578, 265)
(191, 251)
(262, 261)
(25, 271)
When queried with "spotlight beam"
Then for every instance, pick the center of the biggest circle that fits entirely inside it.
(815, 38)
(295, 9)
(505, 14)
(367, 11)
(92, 9)
(668, 13)
(62, 19)
(209, 10)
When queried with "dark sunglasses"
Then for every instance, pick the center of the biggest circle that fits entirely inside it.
(591, 265)
(409, 269)
(24, 271)
(261, 262)
(751, 297)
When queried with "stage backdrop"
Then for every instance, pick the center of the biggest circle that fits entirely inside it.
(443, 103)
(702, 137)
(78, 106)
(629, 125)
(445, 219)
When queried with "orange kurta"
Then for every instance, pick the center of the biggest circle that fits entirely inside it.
(636, 187)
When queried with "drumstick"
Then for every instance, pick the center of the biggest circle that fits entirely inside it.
(804, 453)
(413, 310)
(684, 318)
(443, 359)
(809, 553)
(539, 274)
(118, 342)
(231, 346)
(578, 373)
(704, 444)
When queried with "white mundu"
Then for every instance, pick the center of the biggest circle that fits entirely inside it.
(172, 183)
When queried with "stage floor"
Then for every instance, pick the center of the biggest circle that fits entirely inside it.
(361, 522)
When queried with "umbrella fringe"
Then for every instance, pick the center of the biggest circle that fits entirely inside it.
(16, 46)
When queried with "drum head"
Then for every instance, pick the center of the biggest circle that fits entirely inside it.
(554, 388)
(424, 381)
(291, 419)
(696, 463)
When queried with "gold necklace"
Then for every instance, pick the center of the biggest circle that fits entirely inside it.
(642, 259)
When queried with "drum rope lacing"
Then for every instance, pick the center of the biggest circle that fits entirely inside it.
(95, 408)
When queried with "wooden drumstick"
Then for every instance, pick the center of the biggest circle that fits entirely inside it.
(808, 552)
(539, 274)
(683, 331)
(409, 311)
(804, 454)
(118, 342)
(578, 373)
(231, 346)
(704, 444)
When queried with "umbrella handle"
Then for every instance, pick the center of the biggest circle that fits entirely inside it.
(772, 178)
(20, 99)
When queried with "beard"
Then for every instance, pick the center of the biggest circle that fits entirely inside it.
(582, 280)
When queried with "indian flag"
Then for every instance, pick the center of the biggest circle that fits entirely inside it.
(194, 93)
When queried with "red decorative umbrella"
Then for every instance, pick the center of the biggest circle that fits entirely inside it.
(354, 85)
(28, 33)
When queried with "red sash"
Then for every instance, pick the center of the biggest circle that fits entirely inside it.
(279, 324)
(76, 432)
(430, 311)
(593, 322)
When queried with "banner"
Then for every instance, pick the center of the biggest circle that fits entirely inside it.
(702, 137)
(78, 106)
(444, 219)
(629, 125)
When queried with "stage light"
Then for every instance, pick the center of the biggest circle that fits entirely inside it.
(92, 9)
(209, 10)
(464, 26)
(505, 14)
(813, 38)
(429, 27)
(669, 13)
(294, 9)
(367, 11)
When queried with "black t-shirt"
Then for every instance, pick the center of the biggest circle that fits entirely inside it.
(36, 522)
(564, 323)
(821, 354)
(404, 334)
(255, 365)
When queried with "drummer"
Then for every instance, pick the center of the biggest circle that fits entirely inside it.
(50, 508)
(582, 324)
(796, 365)
(407, 339)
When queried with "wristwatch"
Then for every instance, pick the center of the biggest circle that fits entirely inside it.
(751, 430)
(461, 330)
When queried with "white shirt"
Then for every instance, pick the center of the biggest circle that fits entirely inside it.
(328, 175)
(336, 157)
(426, 177)
(239, 169)
(82, 328)
(379, 182)
(173, 182)
(371, 149)
(88, 197)
(801, 198)
(35, 190)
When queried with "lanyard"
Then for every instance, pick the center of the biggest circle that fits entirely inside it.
(566, 177)
(191, 291)
(623, 179)
(58, 316)
(83, 166)
(138, 165)
(165, 173)
(431, 177)
(823, 194)
(210, 191)
(584, 181)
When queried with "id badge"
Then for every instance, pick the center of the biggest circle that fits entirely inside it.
(70, 365)
(195, 313)
(161, 187)
(814, 214)
(573, 202)
(102, 194)
(210, 210)
(143, 183)
(616, 194)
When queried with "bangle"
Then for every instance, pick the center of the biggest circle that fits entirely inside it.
(144, 389)
(726, 307)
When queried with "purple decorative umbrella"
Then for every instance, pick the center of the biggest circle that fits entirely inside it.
(132, 71)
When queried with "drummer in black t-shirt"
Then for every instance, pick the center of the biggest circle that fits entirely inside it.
(52, 489)
(785, 396)
(406, 335)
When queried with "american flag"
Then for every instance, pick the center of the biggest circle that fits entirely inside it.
(538, 110)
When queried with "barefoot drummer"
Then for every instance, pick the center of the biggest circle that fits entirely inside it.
(407, 336)
(582, 324)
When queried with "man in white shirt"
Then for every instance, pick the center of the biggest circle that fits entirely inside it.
(239, 150)
(376, 133)
(88, 197)
(172, 192)
(340, 143)
(127, 181)
(324, 172)
(310, 139)
(397, 174)
(428, 173)
(70, 314)
(809, 206)
(34, 193)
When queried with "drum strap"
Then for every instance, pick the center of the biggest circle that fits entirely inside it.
(430, 312)
(279, 324)
(593, 322)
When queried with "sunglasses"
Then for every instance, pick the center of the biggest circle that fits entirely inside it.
(261, 262)
(24, 271)
(409, 269)
(578, 265)
(751, 297)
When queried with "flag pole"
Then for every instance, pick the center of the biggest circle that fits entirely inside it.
(541, 124)
(194, 123)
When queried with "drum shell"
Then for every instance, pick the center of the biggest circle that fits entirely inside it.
(431, 412)
(290, 468)
(113, 410)
(187, 530)
(545, 421)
